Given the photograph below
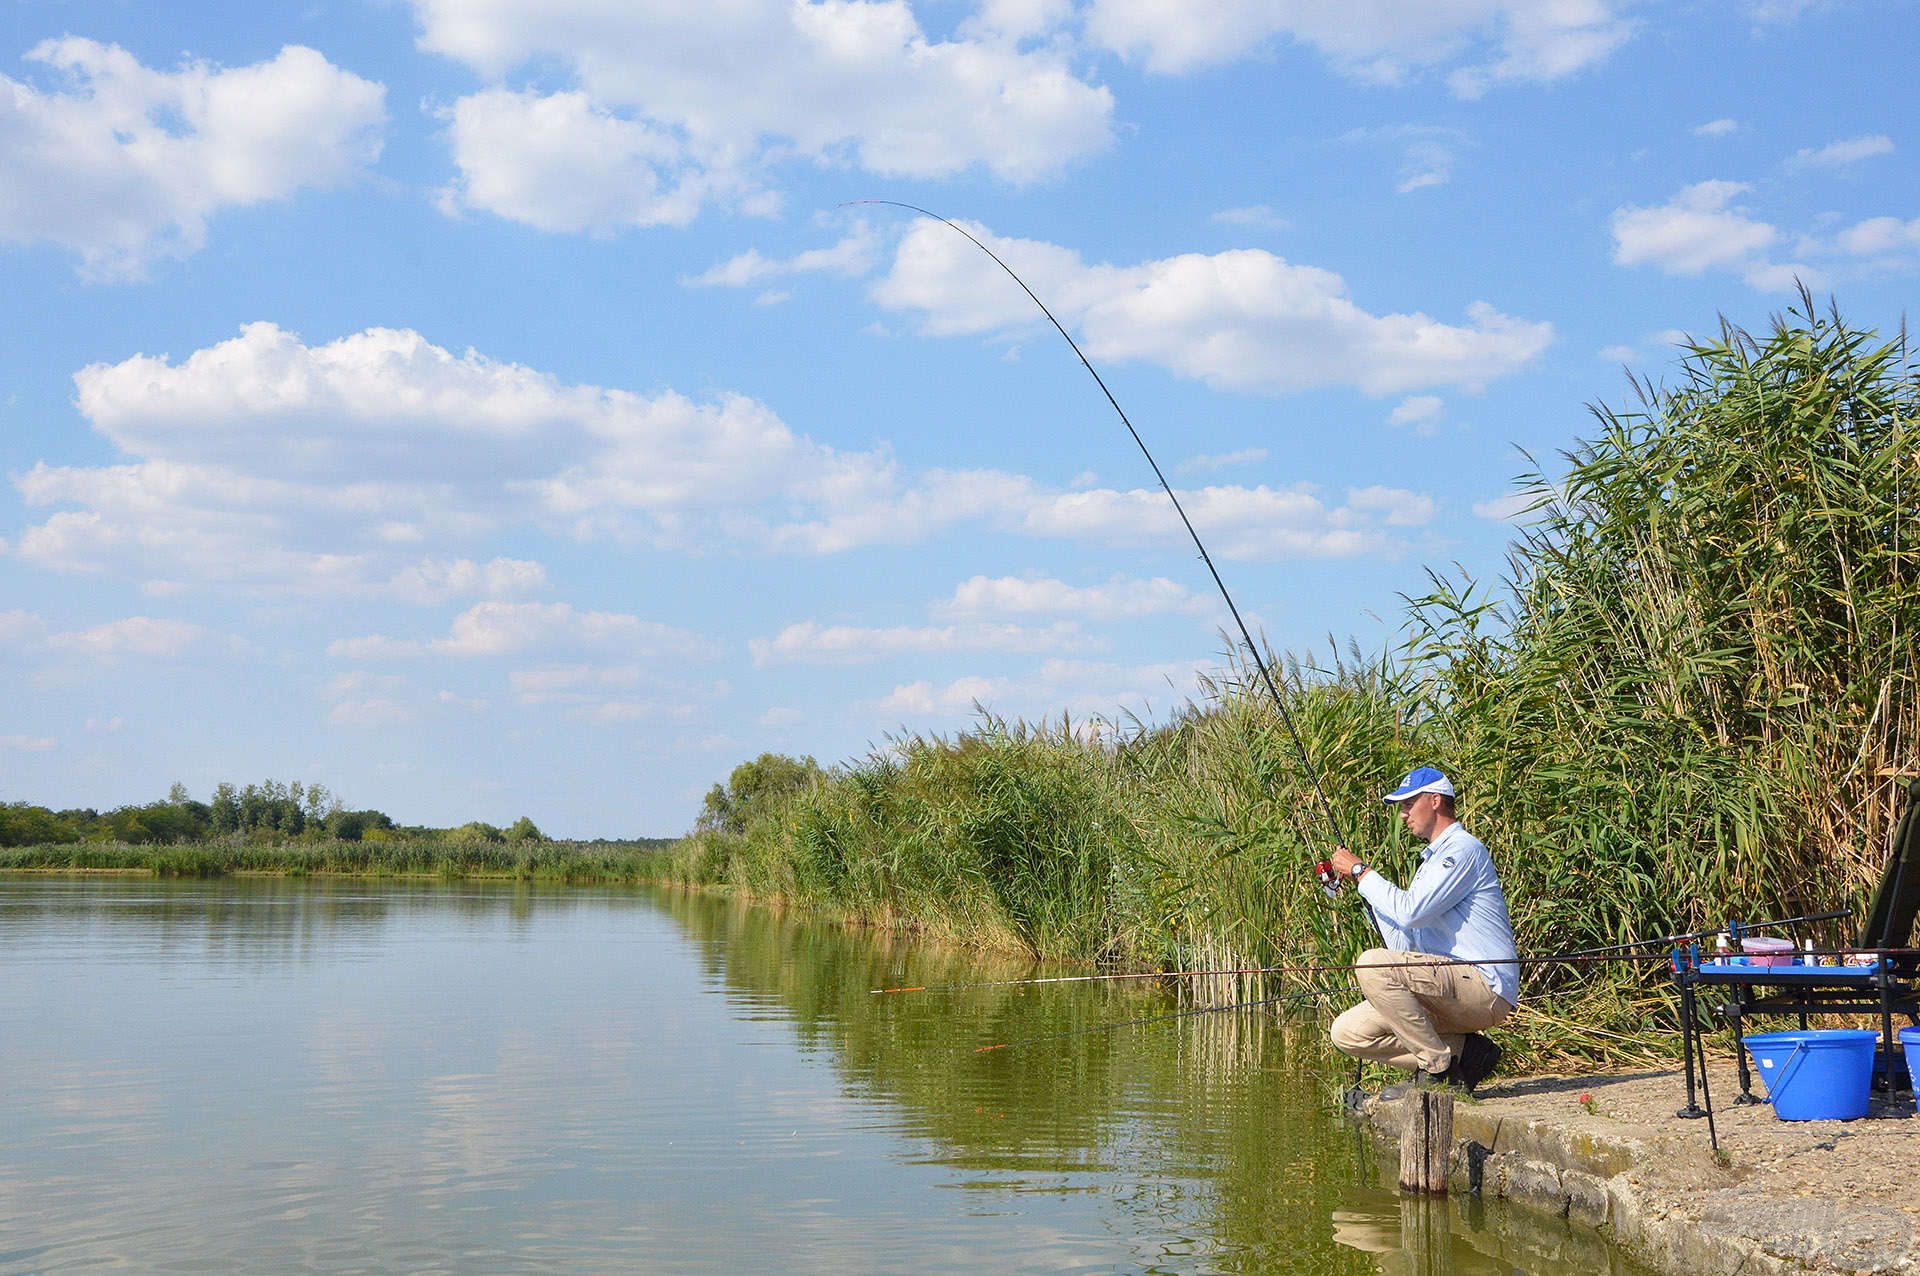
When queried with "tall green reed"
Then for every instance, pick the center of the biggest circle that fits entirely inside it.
(1688, 697)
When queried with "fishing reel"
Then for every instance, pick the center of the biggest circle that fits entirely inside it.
(1329, 880)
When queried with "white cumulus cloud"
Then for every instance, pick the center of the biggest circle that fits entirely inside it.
(1223, 460)
(1843, 153)
(673, 105)
(1420, 411)
(21, 631)
(135, 636)
(1510, 507)
(514, 629)
(1702, 229)
(1243, 319)
(1252, 523)
(441, 580)
(1395, 506)
(371, 714)
(374, 465)
(1482, 42)
(570, 684)
(811, 643)
(1119, 598)
(123, 164)
(558, 163)
(1256, 216)
(1079, 688)
(1427, 152)
(852, 256)
(371, 464)
(1877, 235)
(1875, 247)
(1259, 524)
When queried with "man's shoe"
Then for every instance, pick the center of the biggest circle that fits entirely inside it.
(1446, 1079)
(1478, 1058)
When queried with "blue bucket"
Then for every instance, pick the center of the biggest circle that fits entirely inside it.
(1910, 1046)
(1816, 1076)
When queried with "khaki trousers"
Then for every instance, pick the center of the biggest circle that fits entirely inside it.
(1418, 1010)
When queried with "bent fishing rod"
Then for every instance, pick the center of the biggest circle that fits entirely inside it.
(1253, 650)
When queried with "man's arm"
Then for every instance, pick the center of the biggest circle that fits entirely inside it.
(1393, 936)
(1440, 883)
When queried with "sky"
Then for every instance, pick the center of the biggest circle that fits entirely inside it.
(487, 408)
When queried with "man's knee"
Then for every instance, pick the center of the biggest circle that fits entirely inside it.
(1346, 1032)
(1376, 968)
(1360, 1032)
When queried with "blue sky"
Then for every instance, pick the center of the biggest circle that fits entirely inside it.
(488, 408)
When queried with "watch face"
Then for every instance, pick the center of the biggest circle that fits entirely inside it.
(1358, 869)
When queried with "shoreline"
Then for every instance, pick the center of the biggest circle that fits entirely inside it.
(1788, 1196)
(359, 874)
(549, 860)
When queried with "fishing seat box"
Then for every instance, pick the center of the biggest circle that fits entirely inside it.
(1884, 990)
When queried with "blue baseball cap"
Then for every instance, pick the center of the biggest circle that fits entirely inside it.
(1424, 779)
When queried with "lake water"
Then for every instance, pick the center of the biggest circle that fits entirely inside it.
(264, 1074)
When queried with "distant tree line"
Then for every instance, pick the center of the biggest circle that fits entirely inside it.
(266, 812)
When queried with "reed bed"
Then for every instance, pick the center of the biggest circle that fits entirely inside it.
(1691, 695)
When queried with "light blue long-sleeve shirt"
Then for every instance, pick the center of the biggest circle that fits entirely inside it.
(1453, 907)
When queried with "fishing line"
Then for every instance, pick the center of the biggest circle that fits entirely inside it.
(1286, 718)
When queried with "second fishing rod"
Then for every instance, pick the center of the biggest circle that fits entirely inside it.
(1322, 868)
(1655, 948)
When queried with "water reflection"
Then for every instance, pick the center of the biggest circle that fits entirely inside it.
(1213, 1142)
(1423, 1236)
(270, 1073)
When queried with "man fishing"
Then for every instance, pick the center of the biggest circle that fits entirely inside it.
(1421, 1012)
(1448, 969)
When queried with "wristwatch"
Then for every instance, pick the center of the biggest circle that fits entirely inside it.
(1358, 871)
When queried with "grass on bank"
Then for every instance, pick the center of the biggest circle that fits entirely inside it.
(1690, 696)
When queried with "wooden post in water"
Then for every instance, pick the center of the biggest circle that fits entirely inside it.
(1426, 1142)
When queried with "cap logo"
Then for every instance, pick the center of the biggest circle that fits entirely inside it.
(1420, 780)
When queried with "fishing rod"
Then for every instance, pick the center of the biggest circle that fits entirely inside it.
(1575, 956)
(1253, 650)
(1312, 993)
(1742, 927)
(1178, 1014)
(1424, 961)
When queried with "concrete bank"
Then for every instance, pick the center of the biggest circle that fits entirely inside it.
(1813, 1196)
